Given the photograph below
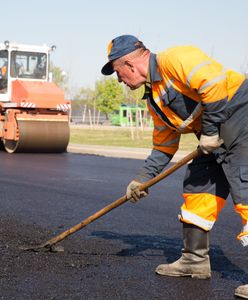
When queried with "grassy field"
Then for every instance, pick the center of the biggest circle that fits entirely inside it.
(116, 136)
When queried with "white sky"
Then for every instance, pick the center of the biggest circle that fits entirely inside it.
(82, 29)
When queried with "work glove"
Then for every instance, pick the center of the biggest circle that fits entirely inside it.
(209, 143)
(133, 192)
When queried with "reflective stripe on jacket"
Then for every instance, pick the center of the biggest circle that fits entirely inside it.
(189, 93)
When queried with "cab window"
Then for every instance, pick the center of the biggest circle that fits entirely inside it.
(28, 65)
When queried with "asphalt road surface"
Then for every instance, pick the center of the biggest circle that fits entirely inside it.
(114, 257)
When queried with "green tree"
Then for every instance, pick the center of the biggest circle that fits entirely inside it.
(109, 95)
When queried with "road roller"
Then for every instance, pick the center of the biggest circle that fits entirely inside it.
(34, 115)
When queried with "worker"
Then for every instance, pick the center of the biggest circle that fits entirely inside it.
(189, 92)
(4, 77)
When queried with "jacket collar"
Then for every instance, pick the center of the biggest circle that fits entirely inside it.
(153, 69)
(152, 75)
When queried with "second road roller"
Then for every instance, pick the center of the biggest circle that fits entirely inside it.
(34, 115)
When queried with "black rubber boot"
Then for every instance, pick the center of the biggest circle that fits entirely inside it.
(194, 261)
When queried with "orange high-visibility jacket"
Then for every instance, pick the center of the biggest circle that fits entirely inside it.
(189, 93)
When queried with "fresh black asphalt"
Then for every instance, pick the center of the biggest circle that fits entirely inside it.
(114, 257)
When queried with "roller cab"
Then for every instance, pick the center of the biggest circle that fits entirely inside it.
(34, 115)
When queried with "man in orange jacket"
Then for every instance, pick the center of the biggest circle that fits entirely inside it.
(187, 91)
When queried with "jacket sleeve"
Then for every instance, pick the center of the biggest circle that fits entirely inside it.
(153, 165)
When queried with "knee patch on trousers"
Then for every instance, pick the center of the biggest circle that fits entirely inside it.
(201, 209)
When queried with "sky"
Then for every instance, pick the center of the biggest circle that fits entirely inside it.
(82, 29)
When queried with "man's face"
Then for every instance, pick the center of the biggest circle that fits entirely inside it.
(128, 73)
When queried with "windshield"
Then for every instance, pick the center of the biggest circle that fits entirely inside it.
(28, 65)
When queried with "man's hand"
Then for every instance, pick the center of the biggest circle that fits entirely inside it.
(133, 192)
(209, 143)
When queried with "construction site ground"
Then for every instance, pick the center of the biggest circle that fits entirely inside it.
(114, 257)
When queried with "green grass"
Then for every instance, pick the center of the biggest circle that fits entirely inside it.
(122, 137)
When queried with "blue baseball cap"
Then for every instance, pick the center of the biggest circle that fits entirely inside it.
(119, 47)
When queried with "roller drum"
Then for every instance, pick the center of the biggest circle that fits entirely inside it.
(40, 136)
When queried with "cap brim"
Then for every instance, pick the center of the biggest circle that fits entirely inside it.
(107, 69)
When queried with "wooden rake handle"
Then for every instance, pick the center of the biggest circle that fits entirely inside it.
(123, 199)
